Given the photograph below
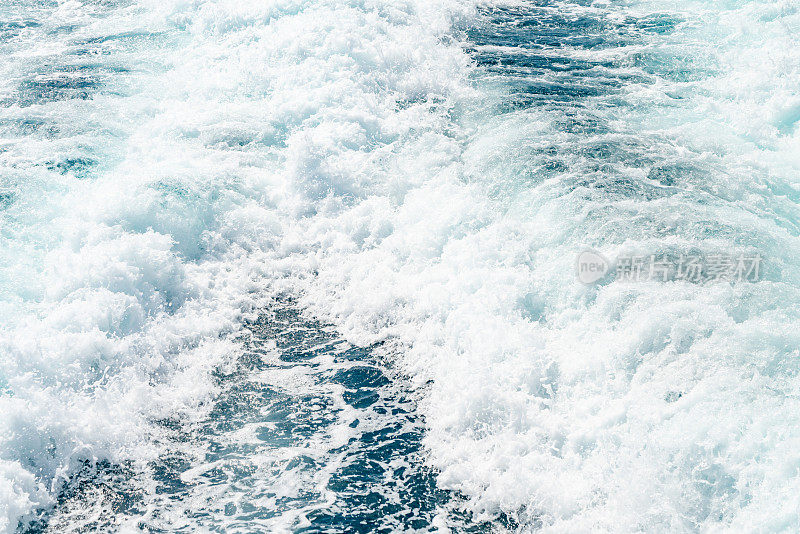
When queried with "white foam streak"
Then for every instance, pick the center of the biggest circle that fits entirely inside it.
(341, 152)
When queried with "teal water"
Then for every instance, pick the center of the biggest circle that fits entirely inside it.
(308, 433)
(310, 266)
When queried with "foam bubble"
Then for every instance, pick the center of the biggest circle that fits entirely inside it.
(167, 166)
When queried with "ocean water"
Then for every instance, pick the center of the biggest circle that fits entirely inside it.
(309, 266)
(307, 433)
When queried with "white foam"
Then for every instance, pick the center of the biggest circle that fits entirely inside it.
(340, 152)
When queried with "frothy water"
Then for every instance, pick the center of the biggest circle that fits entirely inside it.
(307, 433)
(417, 179)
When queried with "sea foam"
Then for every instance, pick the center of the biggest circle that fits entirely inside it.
(168, 166)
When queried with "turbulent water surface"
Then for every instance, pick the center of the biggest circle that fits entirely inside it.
(309, 265)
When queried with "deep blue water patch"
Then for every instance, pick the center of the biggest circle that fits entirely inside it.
(379, 480)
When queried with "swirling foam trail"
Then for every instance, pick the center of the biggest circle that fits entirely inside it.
(167, 165)
(623, 407)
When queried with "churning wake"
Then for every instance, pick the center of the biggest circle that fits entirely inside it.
(310, 265)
